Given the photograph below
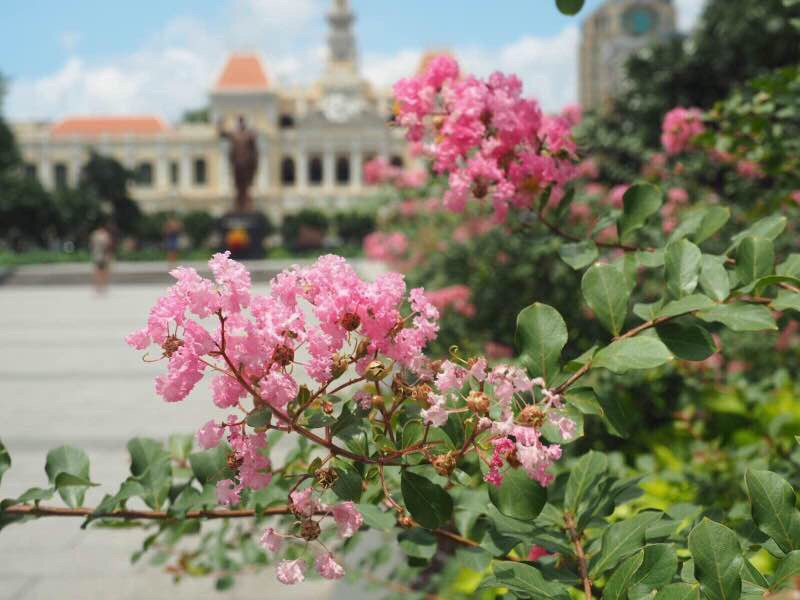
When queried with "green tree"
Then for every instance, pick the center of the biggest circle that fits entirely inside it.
(107, 178)
(9, 153)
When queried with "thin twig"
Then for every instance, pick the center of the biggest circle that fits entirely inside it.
(569, 523)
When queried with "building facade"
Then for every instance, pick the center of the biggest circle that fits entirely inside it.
(609, 36)
(312, 140)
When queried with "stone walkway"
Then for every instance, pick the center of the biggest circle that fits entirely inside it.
(66, 377)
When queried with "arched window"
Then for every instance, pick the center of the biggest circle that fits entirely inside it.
(396, 161)
(287, 171)
(342, 169)
(315, 170)
(144, 173)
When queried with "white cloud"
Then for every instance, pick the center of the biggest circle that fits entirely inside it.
(546, 65)
(173, 69)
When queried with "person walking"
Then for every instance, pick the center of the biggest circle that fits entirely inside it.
(101, 252)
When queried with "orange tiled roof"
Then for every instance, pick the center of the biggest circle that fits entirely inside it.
(139, 125)
(242, 72)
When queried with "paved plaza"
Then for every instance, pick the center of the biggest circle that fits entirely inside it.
(66, 377)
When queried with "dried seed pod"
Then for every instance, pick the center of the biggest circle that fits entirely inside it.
(444, 463)
(478, 402)
(171, 345)
(326, 478)
(283, 355)
(339, 365)
(309, 529)
(531, 415)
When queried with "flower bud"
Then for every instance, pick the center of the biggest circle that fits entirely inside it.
(377, 401)
(339, 365)
(478, 402)
(375, 371)
(405, 521)
(362, 348)
(327, 407)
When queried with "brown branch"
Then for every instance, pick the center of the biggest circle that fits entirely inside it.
(569, 523)
(574, 238)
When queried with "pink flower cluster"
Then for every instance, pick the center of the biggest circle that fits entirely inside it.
(485, 136)
(380, 171)
(514, 423)
(453, 296)
(680, 127)
(305, 506)
(385, 246)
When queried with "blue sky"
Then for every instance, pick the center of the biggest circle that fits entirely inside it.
(91, 56)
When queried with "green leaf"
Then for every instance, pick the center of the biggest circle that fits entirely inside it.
(5, 460)
(474, 559)
(259, 417)
(541, 335)
(622, 539)
(658, 567)
(765, 282)
(224, 583)
(772, 502)
(348, 484)
(687, 342)
(679, 591)
(740, 316)
(786, 300)
(717, 560)
(639, 203)
(622, 580)
(715, 217)
(714, 278)
(209, 466)
(790, 267)
(583, 477)
(606, 292)
(579, 254)
(69, 461)
(686, 305)
(427, 502)
(615, 415)
(151, 467)
(375, 518)
(570, 7)
(788, 568)
(519, 496)
(768, 227)
(417, 543)
(528, 580)
(754, 259)
(145, 452)
(682, 267)
(651, 259)
(639, 352)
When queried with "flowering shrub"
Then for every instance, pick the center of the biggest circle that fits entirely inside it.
(490, 140)
(341, 414)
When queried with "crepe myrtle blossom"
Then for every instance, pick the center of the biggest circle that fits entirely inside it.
(679, 128)
(491, 142)
(379, 330)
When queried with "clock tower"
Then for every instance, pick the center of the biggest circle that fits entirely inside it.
(610, 35)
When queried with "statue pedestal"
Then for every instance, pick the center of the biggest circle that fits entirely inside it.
(243, 233)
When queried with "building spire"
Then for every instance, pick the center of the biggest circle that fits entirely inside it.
(341, 39)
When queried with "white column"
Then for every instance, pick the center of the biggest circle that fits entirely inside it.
(328, 168)
(185, 175)
(74, 169)
(262, 174)
(301, 168)
(161, 169)
(223, 168)
(356, 165)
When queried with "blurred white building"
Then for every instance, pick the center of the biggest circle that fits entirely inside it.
(313, 141)
(610, 35)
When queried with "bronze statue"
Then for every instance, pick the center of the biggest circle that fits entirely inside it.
(243, 158)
